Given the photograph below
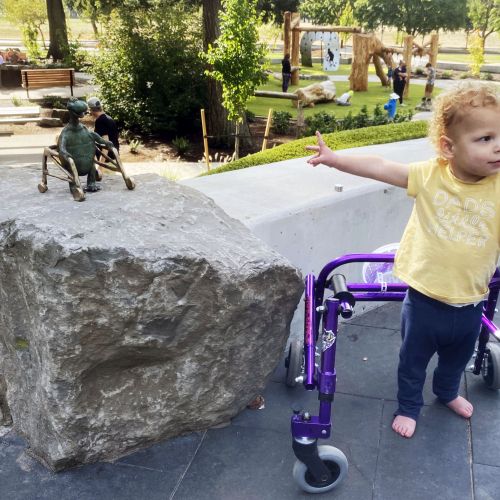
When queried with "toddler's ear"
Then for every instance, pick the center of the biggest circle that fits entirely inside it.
(446, 147)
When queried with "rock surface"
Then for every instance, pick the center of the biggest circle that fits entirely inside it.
(133, 316)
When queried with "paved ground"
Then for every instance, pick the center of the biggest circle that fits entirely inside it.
(448, 458)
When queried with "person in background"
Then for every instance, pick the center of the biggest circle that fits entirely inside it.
(389, 75)
(2, 60)
(391, 105)
(286, 72)
(399, 80)
(105, 126)
(429, 84)
(345, 99)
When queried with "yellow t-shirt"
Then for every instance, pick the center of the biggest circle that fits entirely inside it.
(450, 246)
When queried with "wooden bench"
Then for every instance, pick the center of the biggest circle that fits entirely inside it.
(42, 78)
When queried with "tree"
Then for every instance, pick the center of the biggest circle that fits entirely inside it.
(29, 15)
(485, 17)
(236, 59)
(148, 72)
(412, 16)
(58, 31)
(273, 10)
(324, 12)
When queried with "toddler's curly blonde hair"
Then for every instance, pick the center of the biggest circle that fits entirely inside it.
(454, 104)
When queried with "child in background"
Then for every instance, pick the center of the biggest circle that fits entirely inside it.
(345, 99)
(450, 247)
(391, 105)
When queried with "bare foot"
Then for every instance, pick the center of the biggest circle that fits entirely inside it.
(404, 426)
(461, 407)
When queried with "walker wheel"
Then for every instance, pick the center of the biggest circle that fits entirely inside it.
(42, 187)
(129, 182)
(336, 462)
(491, 367)
(293, 362)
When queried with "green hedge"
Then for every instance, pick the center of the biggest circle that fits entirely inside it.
(345, 139)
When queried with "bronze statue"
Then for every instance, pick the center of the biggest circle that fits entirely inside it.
(75, 155)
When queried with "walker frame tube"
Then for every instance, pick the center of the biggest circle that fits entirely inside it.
(323, 378)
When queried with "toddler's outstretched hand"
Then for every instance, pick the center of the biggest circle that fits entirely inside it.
(323, 154)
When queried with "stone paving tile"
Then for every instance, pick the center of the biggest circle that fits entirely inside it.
(152, 474)
(484, 423)
(433, 464)
(239, 463)
(486, 482)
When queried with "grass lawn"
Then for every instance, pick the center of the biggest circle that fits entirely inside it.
(78, 28)
(376, 94)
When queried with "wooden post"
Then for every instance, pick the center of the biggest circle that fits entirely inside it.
(286, 33)
(408, 47)
(237, 142)
(361, 54)
(300, 118)
(205, 139)
(295, 47)
(268, 126)
(434, 49)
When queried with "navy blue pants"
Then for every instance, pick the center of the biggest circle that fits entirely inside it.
(427, 327)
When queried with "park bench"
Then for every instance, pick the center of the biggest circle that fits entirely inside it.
(42, 78)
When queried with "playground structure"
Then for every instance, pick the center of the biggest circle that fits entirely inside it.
(366, 48)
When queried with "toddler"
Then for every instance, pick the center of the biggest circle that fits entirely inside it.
(450, 247)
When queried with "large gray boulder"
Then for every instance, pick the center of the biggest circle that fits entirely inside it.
(131, 317)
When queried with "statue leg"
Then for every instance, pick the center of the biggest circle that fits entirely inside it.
(42, 186)
(129, 182)
(74, 185)
(92, 187)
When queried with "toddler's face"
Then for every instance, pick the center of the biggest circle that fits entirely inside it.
(474, 150)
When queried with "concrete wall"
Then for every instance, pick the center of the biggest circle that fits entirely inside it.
(296, 210)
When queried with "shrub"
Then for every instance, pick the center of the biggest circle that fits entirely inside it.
(419, 71)
(181, 145)
(486, 76)
(340, 140)
(281, 122)
(135, 145)
(54, 102)
(149, 75)
(447, 75)
(321, 121)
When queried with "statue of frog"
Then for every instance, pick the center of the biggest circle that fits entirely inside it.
(75, 153)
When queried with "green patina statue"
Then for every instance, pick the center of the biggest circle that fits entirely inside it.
(79, 143)
(75, 154)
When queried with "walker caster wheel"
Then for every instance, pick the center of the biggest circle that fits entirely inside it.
(336, 462)
(293, 362)
(42, 187)
(129, 182)
(491, 366)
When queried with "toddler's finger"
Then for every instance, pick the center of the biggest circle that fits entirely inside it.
(321, 142)
(312, 148)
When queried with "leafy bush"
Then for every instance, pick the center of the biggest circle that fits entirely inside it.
(327, 122)
(419, 71)
(281, 122)
(149, 75)
(486, 76)
(340, 140)
(54, 102)
(323, 121)
(250, 116)
(447, 75)
(181, 145)
(76, 57)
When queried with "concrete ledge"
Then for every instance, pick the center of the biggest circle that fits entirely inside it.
(295, 209)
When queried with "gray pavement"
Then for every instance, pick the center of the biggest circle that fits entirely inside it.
(251, 459)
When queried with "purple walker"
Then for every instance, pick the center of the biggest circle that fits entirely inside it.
(319, 469)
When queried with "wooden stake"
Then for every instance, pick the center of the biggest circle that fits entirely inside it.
(295, 48)
(286, 33)
(268, 126)
(205, 140)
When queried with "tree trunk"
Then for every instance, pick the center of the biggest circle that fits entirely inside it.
(93, 22)
(218, 125)
(58, 31)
